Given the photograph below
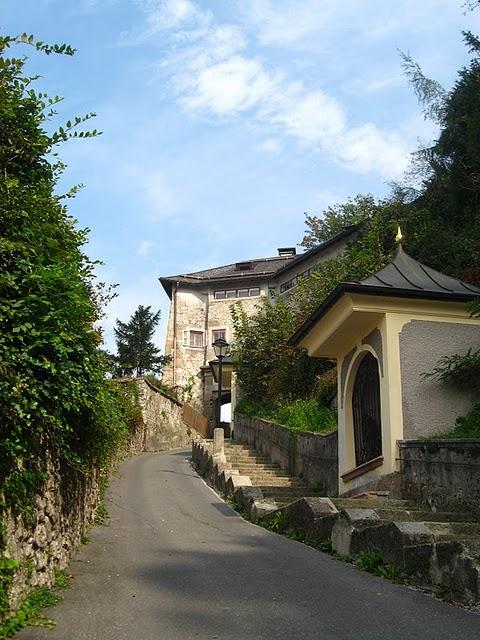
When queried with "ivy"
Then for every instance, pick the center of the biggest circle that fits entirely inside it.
(53, 393)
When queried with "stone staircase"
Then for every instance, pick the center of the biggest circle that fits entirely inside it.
(282, 488)
(437, 550)
(276, 485)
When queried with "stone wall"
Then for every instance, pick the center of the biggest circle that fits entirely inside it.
(162, 427)
(312, 456)
(67, 504)
(59, 520)
(445, 474)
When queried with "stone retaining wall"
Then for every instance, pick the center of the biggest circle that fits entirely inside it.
(67, 504)
(312, 456)
(59, 520)
(445, 474)
(162, 427)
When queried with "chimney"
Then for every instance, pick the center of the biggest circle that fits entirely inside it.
(285, 252)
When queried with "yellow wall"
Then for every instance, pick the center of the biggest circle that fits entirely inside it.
(344, 327)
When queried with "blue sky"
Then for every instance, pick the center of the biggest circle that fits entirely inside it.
(224, 121)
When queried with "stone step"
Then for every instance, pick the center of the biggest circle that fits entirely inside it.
(276, 482)
(264, 467)
(258, 473)
(399, 515)
(454, 530)
(258, 467)
(252, 459)
(296, 491)
(369, 503)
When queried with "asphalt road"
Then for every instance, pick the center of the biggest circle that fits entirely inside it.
(176, 563)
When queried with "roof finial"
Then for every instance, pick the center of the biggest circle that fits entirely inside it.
(399, 236)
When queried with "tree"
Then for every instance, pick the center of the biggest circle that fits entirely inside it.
(447, 213)
(440, 220)
(269, 369)
(53, 395)
(335, 218)
(136, 353)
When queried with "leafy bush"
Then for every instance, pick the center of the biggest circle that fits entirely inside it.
(460, 370)
(299, 415)
(372, 562)
(254, 409)
(53, 392)
(173, 394)
(269, 370)
(306, 415)
(465, 427)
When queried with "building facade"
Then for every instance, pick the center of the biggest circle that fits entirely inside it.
(385, 333)
(200, 305)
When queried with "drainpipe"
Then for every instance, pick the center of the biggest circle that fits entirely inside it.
(207, 310)
(174, 356)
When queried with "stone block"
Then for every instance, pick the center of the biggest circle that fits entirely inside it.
(218, 468)
(349, 526)
(236, 481)
(407, 544)
(262, 509)
(246, 495)
(218, 442)
(314, 516)
(456, 567)
(224, 477)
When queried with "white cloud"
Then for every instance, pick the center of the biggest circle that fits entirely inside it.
(312, 117)
(365, 148)
(318, 24)
(145, 248)
(270, 145)
(235, 84)
(375, 82)
(213, 73)
(288, 23)
(163, 15)
(157, 199)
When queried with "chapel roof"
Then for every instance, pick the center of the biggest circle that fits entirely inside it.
(403, 277)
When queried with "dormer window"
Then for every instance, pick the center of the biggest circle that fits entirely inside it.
(243, 266)
(287, 252)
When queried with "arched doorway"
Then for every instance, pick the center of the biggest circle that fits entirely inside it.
(367, 423)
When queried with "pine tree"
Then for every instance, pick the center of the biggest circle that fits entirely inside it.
(136, 353)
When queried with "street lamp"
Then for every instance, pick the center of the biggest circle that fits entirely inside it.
(221, 348)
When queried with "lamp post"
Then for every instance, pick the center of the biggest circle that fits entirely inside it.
(220, 347)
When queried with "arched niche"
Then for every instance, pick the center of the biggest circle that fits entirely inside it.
(363, 422)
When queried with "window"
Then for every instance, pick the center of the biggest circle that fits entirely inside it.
(193, 339)
(236, 293)
(289, 284)
(219, 334)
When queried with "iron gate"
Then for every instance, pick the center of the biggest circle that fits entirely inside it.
(367, 424)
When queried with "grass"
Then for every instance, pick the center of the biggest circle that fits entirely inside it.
(298, 415)
(372, 562)
(30, 613)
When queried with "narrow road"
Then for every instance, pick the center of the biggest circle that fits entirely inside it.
(176, 563)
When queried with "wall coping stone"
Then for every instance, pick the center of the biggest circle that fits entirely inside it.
(439, 442)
